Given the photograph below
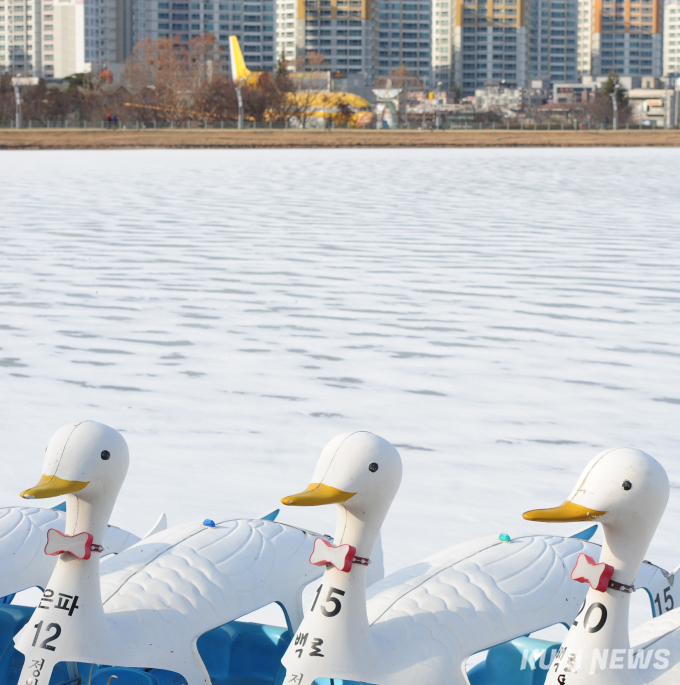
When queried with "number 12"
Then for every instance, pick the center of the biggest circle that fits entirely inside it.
(45, 644)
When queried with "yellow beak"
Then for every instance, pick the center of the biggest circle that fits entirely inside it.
(566, 512)
(53, 486)
(316, 494)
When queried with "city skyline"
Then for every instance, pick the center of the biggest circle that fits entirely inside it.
(447, 44)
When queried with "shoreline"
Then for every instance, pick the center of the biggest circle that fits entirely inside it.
(97, 139)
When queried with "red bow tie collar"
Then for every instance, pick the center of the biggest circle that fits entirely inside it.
(80, 546)
(342, 557)
(599, 576)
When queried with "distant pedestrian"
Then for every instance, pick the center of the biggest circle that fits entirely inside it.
(115, 121)
(109, 120)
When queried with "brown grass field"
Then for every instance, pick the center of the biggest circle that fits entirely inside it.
(95, 139)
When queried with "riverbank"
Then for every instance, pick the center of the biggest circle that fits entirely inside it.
(79, 139)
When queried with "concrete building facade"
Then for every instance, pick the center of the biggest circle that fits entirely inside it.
(58, 38)
(553, 40)
(583, 37)
(337, 35)
(490, 43)
(405, 37)
(442, 42)
(108, 33)
(626, 36)
(286, 30)
(64, 55)
(253, 22)
(671, 38)
(21, 46)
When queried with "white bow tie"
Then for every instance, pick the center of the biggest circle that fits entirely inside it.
(587, 571)
(342, 557)
(80, 546)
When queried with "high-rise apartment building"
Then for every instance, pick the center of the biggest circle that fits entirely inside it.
(405, 37)
(489, 43)
(252, 22)
(357, 36)
(108, 31)
(442, 42)
(286, 29)
(626, 36)
(64, 38)
(58, 38)
(553, 40)
(583, 37)
(671, 38)
(339, 31)
(21, 37)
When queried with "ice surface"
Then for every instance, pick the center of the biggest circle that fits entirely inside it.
(500, 315)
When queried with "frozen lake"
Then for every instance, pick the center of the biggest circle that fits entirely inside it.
(499, 315)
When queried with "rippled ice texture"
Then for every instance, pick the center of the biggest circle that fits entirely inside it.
(500, 315)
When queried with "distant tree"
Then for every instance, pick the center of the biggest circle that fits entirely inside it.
(164, 75)
(163, 79)
(344, 114)
(315, 61)
(258, 98)
(71, 100)
(601, 109)
(610, 87)
(7, 103)
(282, 65)
(216, 99)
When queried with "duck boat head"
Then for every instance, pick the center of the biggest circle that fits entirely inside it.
(625, 490)
(87, 462)
(361, 473)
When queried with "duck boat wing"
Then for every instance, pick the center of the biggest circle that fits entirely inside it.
(655, 631)
(474, 596)
(192, 578)
(23, 535)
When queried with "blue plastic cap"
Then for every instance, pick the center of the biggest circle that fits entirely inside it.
(504, 537)
(209, 523)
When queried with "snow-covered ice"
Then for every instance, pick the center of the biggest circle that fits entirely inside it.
(499, 315)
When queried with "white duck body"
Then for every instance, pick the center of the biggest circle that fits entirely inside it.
(158, 597)
(431, 617)
(480, 594)
(626, 490)
(192, 578)
(421, 623)
(649, 638)
(23, 536)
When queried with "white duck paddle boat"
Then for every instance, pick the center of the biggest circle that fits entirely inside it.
(626, 491)
(420, 624)
(157, 598)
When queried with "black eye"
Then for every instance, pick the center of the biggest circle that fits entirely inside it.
(626, 485)
(372, 467)
(105, 455)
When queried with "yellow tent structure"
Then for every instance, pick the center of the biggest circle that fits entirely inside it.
(339, 107)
